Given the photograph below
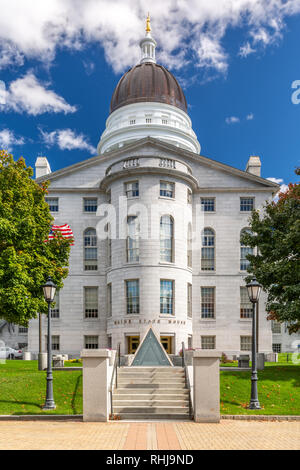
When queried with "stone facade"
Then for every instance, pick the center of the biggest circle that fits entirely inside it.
(106, 174)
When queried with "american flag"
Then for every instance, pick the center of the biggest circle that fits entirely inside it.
(65, 230)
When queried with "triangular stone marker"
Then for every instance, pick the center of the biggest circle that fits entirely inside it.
(151, 352)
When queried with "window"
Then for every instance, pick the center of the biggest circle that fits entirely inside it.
(54, 342)
(276, 327)
(91, 302)
(133, 296)
(208, 250)
(53, 203)
(189, 300)
(166, 297)
(23, 329)
(164, 121)
(166, 238)
(245, 250)
(207, 302)
(167, 189)
(131, 121)
(189, 246)
(208, 342)
(246, 343)
(90, 250)
(246, 204)
(90, 205)
(246, 308)
(109, 300)
(55, 309)
(91, 342)
(276, 347)
(132, 189)
(208, 204)
(189, 196)
(133, 242)
(148, 120)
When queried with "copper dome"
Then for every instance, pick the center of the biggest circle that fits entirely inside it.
(148, 82)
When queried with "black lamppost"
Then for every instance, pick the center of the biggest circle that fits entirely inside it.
(254, 289)
(49, 293)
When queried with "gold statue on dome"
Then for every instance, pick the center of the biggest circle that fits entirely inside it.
(148, 27)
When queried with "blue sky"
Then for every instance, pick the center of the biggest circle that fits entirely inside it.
(236, 64)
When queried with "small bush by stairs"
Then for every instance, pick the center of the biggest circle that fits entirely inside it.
(151, 393)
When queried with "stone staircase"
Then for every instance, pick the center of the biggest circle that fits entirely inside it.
(151, 393)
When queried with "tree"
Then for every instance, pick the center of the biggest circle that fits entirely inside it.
(25, 259)
(276, 234)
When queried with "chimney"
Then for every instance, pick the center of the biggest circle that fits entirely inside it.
(42, 167)
(254, 165)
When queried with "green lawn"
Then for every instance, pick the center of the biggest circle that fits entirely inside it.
(23, 390)
(278, 391)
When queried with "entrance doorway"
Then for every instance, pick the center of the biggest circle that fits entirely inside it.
(133, 344)
(166, 341)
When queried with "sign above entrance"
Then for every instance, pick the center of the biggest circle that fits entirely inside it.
(151, 352)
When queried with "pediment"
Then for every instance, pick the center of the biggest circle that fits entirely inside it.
(209, 173)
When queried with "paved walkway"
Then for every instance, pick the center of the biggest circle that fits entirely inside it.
(229, 434)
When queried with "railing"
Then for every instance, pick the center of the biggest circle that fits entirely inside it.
(114, 374)
(187, 380)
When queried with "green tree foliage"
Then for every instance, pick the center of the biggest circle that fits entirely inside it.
(276, 233)
(25, 259)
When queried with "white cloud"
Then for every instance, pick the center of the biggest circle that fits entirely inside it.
(66, 139)
(250, 117)
(246, 49)
(232, 120)
(283, 187)
(36, 29)
(28, 95)
(8, 140)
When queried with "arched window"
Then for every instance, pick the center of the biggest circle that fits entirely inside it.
(189, 246)
(90, 250)
(208, 250)
(245, 250)
(133, 241)
(166, 238)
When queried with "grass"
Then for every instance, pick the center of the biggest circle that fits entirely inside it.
(23, 390)
(278, 391)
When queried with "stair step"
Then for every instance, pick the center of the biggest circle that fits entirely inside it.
(151, 396)
(151, 410)
(150, 403)
(143, 390)
(142, 385)
(156, 416)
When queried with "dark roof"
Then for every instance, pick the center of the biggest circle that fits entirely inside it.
(148, 82)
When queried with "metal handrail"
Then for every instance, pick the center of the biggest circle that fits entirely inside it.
(187, 380)
(114, 373)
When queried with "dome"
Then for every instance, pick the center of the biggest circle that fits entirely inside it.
(148, 82)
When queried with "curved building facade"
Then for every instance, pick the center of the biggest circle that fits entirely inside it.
(157, 230)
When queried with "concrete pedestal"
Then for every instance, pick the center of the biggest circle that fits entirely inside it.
(95, 377)
(42, 361)
(27, 356)
(260, 361)
(206, 366)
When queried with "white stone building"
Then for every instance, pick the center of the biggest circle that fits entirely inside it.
(151, 270)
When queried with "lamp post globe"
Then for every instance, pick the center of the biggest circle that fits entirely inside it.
(254, 289)
(49, 289)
